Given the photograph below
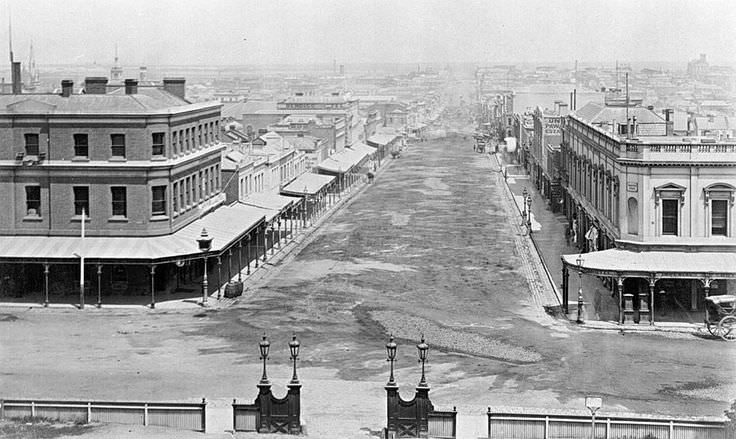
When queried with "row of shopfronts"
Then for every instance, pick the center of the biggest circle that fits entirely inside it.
(243, 235)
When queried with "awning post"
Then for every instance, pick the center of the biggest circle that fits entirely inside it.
(153, 286)
(46, 269)
(240, 260)
(247, 254)
(565, 288)
(652, 281)
(620, 284)
(99, 285)
(219, 276)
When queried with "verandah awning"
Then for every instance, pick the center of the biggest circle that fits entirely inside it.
(225, 226)
(668, 264)
(343, 161)
(308, 184)
(272, 204)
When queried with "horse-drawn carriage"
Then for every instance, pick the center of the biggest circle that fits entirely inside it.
(720, 316)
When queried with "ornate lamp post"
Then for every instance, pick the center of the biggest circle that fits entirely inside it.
(263, 346)
(294, 348)
(524, 194)
(391, 353)
(529, 212)
(579, 262)
(205, 244)
(423, 349)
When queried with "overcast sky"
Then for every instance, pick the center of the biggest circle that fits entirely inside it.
(303, 31)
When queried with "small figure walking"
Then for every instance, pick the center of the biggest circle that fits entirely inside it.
(597, 298)
(567, 234)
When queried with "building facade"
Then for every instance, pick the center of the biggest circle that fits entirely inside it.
(629, 187)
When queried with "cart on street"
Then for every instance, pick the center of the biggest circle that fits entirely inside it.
(720, 316)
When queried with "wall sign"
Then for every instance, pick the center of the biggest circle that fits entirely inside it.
(632, 187)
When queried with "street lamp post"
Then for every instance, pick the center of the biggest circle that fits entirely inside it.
(205, 244)
(529, 212)
(579, 262)
(593, 404)
(294, 348)
(391, 353)
(524, 194)
(263, 346)
(423, 348)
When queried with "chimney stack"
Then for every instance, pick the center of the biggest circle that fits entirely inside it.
(16, 78)
(95, 85)
(669, 122)
(67, 87)
(175, 86)
(574, 99)
(131, 86)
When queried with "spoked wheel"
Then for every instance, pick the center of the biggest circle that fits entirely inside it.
(727, 328)
(713, 328)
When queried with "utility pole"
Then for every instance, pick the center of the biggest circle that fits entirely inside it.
(81, 265)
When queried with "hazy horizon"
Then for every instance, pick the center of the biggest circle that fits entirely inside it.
(190, 33)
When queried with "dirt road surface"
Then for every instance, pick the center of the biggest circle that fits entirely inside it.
(428, 248)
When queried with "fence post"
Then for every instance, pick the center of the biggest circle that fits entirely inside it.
(672, 430)
(2, 409)
(608, 428)
(89, 412)
(145, 413)
(204, 415)
(546, 427)
(33, 409)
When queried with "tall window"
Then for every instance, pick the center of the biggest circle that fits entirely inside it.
(157, 148)
(174, 142)
(31, 144)
(719, 218)
(186, 140)
(670, 210)
(117, 145)
(81, 200)
(33, 200)
(119, 201)
(81, 145)
(158, 200)
(175, 198)
(182, 203)
(188, 186)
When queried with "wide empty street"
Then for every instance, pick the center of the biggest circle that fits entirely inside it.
(432, 247)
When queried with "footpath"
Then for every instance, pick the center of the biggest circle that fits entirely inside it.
(549, 244)
(283, 253)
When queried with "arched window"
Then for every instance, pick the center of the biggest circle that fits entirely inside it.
(632, 216)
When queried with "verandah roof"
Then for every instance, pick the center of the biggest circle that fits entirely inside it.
(668, 264)
(225, 226)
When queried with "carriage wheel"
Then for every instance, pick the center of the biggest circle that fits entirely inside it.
(713, 329)
(727, 328)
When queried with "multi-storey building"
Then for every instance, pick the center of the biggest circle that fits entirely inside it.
(544, 152)
(660, 207)
(335, 106)
(138, 166)
(105, 153)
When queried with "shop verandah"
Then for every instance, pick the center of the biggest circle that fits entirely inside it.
(652, 286)
(146, 269)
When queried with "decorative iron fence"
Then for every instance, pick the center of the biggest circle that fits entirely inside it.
(185, 416)
(442, 425)
(522, 424)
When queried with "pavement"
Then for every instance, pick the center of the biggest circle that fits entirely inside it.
(548, 238)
